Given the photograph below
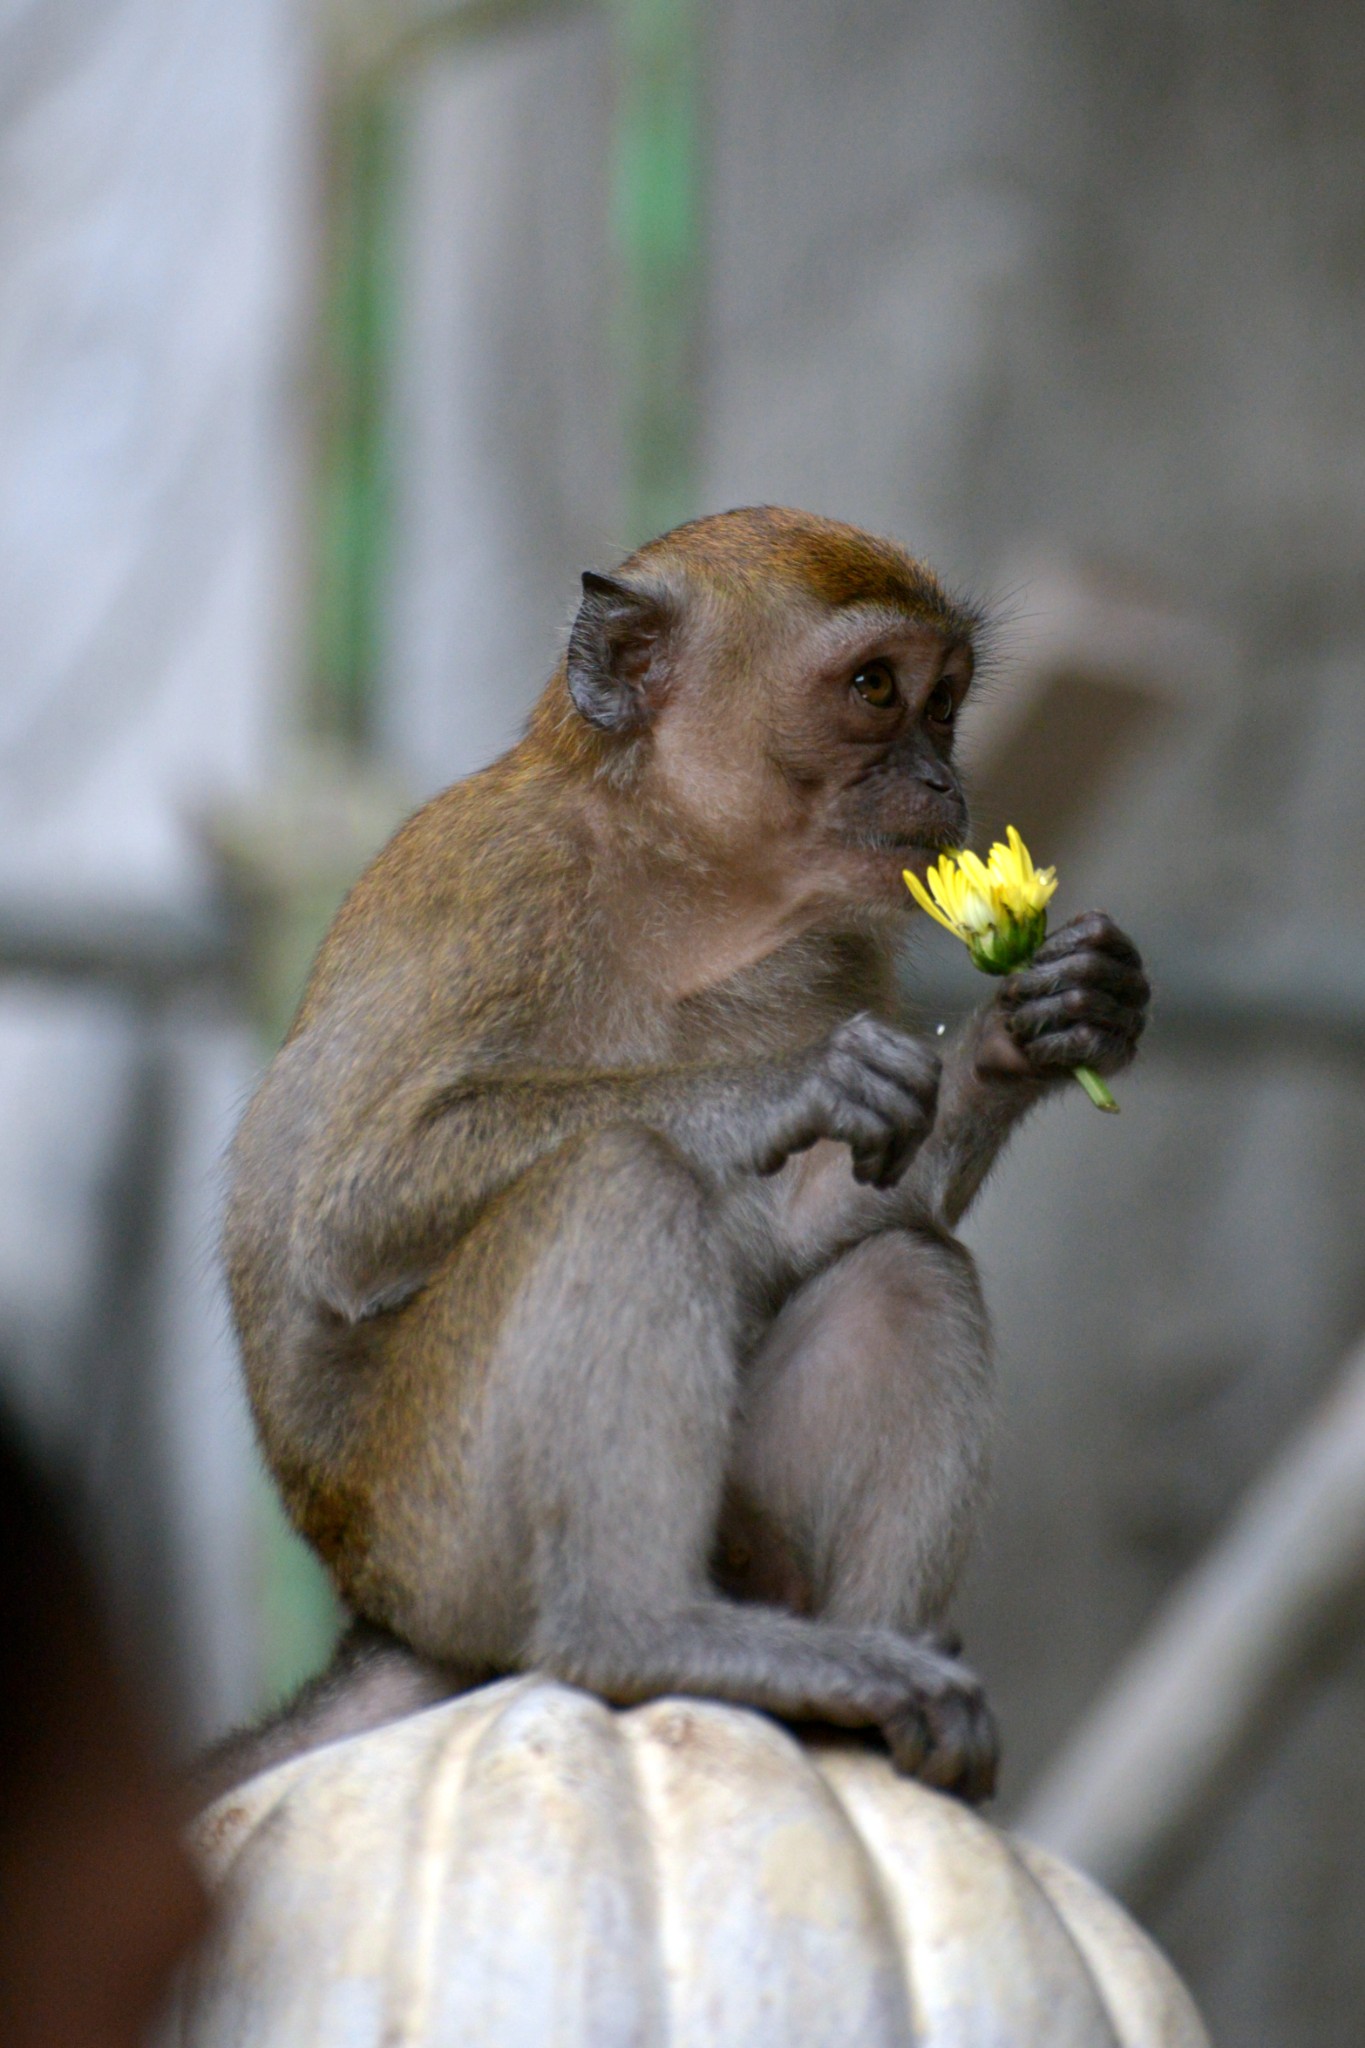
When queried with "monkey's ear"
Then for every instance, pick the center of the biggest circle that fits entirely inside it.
(616, 654)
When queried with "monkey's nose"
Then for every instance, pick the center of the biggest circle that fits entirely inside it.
(935, 778)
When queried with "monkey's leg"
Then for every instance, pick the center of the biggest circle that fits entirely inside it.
(557, 1474)
(860, 1453)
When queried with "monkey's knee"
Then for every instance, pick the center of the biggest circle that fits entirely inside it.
(915, 1277)
(901, 1255)
(899, 1296)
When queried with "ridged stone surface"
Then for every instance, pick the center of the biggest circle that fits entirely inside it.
(524, 1865)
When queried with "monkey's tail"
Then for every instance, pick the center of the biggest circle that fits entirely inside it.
(372, 1679)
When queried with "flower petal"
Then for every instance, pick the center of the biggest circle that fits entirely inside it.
(926, 902)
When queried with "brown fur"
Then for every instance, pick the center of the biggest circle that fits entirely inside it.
(596, 1168)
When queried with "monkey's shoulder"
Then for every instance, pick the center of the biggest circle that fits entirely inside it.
(493, 846)
(477, 893)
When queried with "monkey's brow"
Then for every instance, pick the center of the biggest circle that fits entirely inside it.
(875, 615)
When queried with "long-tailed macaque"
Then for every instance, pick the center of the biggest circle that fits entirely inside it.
(591, 1237)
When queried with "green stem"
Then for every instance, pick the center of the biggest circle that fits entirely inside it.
(1096, 1089)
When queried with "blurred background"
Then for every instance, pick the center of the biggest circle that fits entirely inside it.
(333, 344)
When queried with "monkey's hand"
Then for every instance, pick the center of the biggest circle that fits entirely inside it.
(1081, 1001)
(869, 1086)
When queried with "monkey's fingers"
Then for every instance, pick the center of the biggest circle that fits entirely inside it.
(832, 1111)
(868, 1086)
(908, 1739)
(1075, 1008)
(964, 1748)
(1081, 1045)
(899, 1156)
(883, 1164)
(948, 1741)
(872, 1159)
(1092, 931)
(888, 1051)
(904, 1113)
(824, 1108)
(1101, 972)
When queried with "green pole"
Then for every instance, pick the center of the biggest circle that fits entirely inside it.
(657, 232)
(354, 503)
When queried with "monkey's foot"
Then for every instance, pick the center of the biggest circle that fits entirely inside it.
(946, 1735)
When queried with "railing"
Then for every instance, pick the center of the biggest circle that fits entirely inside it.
(1200, 1696)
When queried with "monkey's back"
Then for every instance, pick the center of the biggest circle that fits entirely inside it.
(461, 950)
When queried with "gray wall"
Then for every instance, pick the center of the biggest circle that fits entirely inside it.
(155, 170)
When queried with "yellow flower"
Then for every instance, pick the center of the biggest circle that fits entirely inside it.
(997, 907)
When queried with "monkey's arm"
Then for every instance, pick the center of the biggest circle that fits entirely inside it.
(979, 1107)
(388, 1195)
(1081, 1001)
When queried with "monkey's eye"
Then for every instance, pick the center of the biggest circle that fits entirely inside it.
(941, 706)
(876, 685)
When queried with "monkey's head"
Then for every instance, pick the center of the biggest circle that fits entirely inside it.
(785, 689)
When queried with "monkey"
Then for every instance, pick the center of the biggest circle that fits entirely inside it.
(591, 1239)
